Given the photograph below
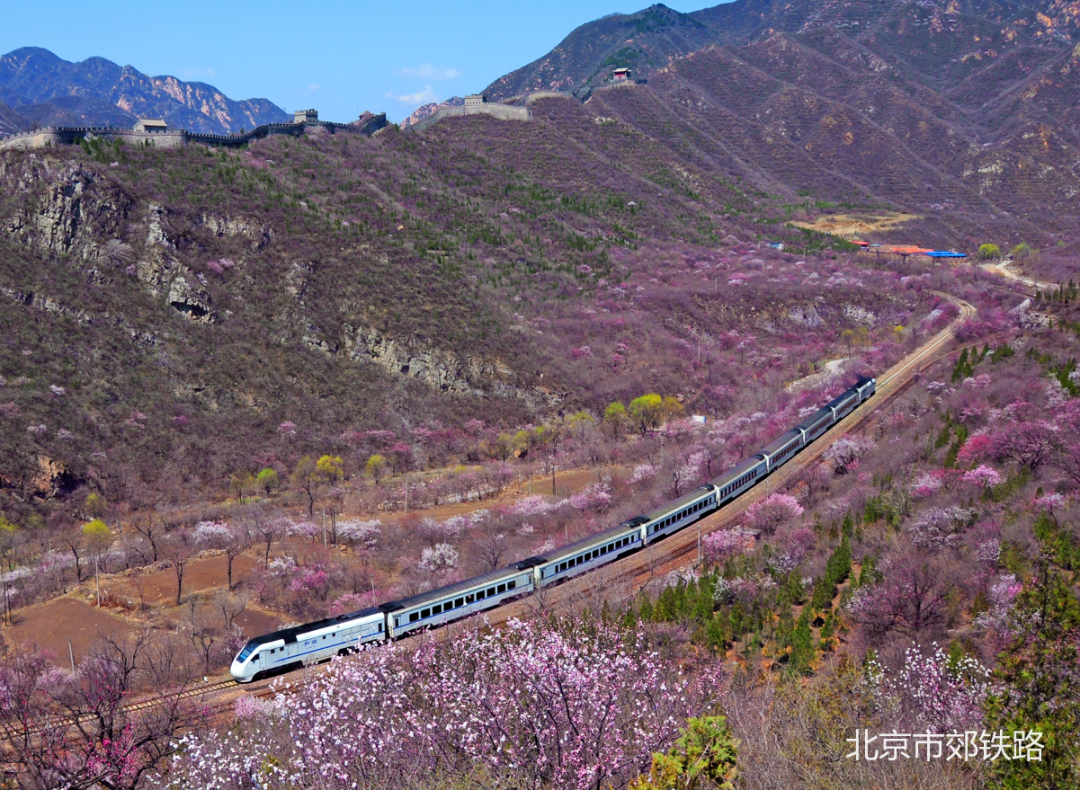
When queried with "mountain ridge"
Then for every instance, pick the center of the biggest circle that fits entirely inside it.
(44, 89)
(951, 109)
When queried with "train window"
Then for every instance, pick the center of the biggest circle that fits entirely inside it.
(413, 617)
(459, 602)
(468, 599)
(490, 592)
(511, 585)
(502, 588)
(425, 613)
(436, 609)
(479, 595)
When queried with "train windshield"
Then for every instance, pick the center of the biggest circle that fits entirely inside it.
(247, 651)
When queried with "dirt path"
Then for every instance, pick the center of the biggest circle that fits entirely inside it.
(832, 368)
(1002, 269)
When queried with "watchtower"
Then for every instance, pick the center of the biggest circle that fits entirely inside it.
(151, 126)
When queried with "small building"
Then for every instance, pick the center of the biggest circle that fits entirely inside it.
(475, 100)
(151, 126)
(306, 116)
(620, 75)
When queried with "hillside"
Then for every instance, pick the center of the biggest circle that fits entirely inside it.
(49, 91)
(959, 112)
(188, 303)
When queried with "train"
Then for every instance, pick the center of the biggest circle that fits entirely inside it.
(291, 648)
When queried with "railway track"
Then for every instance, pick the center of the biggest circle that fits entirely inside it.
(632, 573)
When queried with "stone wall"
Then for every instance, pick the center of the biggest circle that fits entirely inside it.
(547, 95)
(501, 111)
(72, 135)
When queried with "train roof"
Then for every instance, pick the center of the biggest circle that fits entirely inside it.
(839, 399)
(289, 634)
(587, 542)
(735, 472)
(814, 418)
(449, 590)
(777, 444)
(678, 504)
(863, 380)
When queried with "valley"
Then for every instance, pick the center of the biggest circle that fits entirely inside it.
(252, 381)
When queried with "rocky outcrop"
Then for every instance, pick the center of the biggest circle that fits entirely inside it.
(443, 370)
(78, 209)
(238, 227)
(45, 479)
(805, 316)
(163, 274)
(190, 301)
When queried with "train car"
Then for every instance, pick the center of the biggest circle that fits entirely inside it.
(290, 648)
(865, 387)
(455, 601)
(779, 451)
(673, 516)
(585, 554)
(738, 479)
(816, 424)
(843, 404)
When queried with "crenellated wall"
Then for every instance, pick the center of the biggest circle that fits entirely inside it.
(73, 135)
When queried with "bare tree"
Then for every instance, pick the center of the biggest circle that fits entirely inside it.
(492, 548)
(231, 606)
(206, 630)
(77, 730)
(307, 477)
(150, 529)
(73, 539)
(269, 529)
(179, 550)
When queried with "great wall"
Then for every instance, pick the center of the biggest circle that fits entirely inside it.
(153, 132)
(157, 134)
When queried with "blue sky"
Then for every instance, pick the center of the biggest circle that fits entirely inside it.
(334, 56)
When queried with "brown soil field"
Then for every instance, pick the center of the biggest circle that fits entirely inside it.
(258, 621)
(159, 588)
(48, 626)
(847, 225)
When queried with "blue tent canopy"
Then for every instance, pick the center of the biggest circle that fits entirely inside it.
(945, 254)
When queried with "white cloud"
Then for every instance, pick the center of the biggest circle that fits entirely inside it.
(312, 88)
(426, 96)
(427, 71)
(194, 74)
